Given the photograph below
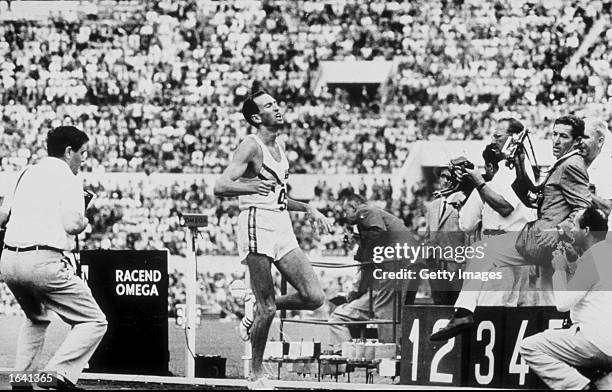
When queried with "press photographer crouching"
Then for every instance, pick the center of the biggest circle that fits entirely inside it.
(584, 287)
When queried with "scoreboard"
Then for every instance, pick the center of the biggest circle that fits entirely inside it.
(486, 356)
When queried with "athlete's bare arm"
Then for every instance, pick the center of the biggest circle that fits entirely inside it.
(319, 220)
(233, 182)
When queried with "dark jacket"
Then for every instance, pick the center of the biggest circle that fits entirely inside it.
(566, 192)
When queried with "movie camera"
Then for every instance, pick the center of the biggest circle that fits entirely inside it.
(457, 181)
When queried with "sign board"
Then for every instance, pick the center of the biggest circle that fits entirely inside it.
(131, 288)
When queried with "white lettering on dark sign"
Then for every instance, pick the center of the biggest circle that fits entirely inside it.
(138, 283)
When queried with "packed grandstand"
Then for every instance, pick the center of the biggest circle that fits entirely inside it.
(157, 84)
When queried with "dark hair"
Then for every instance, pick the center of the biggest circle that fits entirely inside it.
(514, 125)
(437, 171)
(249, 107)
(65, 136)
(596, 221)
(348, 195)
(576, 123)
(492, 155)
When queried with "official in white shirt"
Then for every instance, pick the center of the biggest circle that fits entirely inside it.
(597, 153)
(46, 208)
(554, 353)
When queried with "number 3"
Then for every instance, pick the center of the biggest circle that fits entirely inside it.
(486, 379)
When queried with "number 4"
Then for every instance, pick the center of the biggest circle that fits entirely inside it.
(515, 367)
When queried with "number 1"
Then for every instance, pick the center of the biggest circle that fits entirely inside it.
(414, 338)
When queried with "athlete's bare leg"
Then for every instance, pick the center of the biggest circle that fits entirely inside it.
(298, 271)
(296, 268)
(262, 286)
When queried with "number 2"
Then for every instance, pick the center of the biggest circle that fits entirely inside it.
(434, 375)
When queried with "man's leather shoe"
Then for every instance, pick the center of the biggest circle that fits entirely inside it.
(22, 387)
(59, 383)
(453, 328)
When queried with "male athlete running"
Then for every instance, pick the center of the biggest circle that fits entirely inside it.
(258, 175)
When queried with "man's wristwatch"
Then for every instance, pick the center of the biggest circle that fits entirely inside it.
(479, 187)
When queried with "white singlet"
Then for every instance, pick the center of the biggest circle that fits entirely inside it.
(271, 169)
(264, 225)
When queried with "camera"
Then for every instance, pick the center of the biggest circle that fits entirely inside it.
(513, 146)
(456, 182)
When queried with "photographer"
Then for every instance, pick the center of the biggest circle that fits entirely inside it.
(497, 207)
(442, 230)
(46, 208)
(502, 210)
(564, 193)
(554, 353)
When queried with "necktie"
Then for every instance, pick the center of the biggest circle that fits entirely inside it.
(444, 203)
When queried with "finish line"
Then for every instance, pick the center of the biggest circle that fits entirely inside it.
(241, 383)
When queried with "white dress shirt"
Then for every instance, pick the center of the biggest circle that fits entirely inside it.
(475, 209)
(470, 213)
(46, 192)
(588, 295)
(599, 170)
(599, 174)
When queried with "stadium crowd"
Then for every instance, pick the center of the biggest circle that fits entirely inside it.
(157, 83)
(142, 216)
(215, 297)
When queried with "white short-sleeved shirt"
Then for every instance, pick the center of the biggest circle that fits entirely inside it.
(599, 174)
(502, 184)
(46, 192)
(470, 213)
(599, 171)
(589, 294)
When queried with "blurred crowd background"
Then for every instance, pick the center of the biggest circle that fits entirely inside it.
(157, 84)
